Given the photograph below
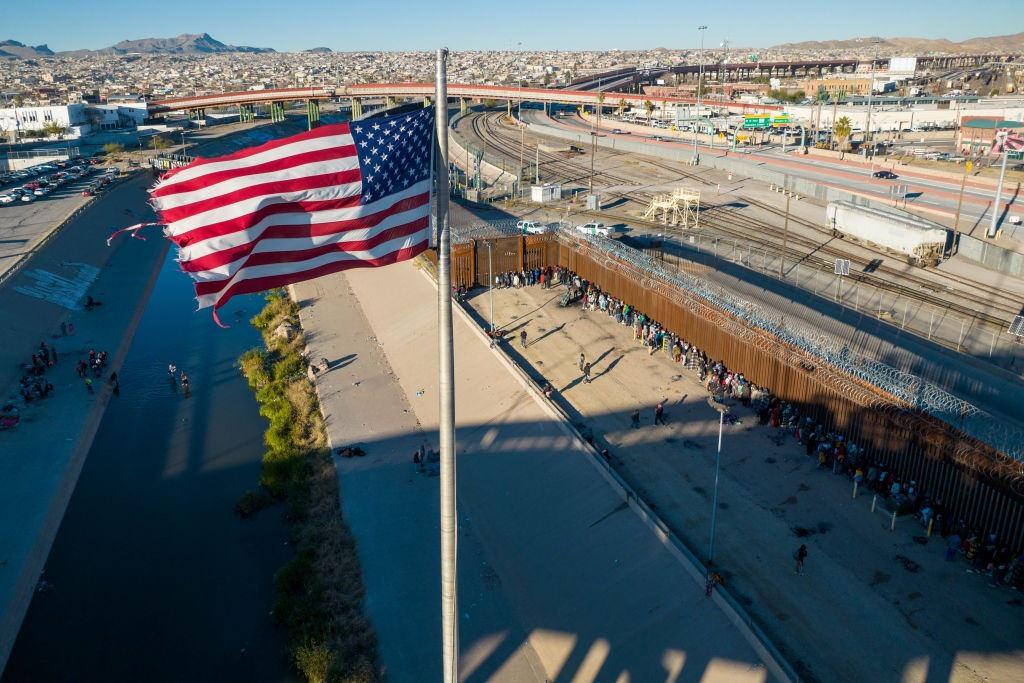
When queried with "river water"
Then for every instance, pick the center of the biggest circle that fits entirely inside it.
(152, 576)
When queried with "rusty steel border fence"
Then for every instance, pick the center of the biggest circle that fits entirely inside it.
(976, 482)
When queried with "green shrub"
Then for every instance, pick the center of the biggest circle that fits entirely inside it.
(252, 502)
(314, 660)
(319, 592)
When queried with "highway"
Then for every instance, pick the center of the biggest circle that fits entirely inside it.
(936, 198)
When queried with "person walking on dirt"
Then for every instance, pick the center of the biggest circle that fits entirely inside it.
(800, 555)
(184, 382)
(634, 419)
(586, 373)
(659, 413)
(522, 339)
(583, 361)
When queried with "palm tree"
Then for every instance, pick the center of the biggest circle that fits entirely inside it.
(649, 107)
(621, 108)
(600, 108)
(841, 131)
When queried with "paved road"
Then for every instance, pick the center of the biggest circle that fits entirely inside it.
(935, 194)
(560, 580)
(860, 612)
(24, 226)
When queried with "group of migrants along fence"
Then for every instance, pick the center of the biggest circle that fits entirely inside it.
(953, 449)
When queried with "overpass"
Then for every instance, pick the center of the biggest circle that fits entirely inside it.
(276, 98)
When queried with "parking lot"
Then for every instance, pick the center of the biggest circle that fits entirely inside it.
(24, 224)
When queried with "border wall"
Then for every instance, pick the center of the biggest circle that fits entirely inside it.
(973, 481)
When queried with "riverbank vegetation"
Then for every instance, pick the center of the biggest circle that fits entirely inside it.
(319, 592)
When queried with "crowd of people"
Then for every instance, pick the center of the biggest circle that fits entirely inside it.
(34, 385)
(832, 451)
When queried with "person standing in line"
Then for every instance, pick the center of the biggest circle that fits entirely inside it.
(586, 373)
(522, 339)
(184, 383)
(800, 556)
(583, 361)
(634, 419)
(659, 413)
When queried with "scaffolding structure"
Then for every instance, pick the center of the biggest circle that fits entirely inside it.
(681, 208)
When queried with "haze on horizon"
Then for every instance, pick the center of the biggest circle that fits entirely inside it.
(528, 25)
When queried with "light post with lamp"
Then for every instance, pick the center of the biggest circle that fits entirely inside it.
(700, 82)
(722, 410)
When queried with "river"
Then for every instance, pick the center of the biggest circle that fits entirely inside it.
(152, 576)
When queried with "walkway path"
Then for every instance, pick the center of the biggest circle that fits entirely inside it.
(559, 579)
(858, 609)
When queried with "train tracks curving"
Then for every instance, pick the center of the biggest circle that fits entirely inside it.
(800, 247)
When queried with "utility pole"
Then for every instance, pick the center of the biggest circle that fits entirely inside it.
(446, 387)
(869, 147)
(1001, 141)
(536, 167)
(700, 82)
(490, 281)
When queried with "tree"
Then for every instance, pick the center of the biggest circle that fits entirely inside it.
(841, 132)
(547, 78)
(649, 107)
(112, 148)
(52, 128)
(159, 142)
(621, 108)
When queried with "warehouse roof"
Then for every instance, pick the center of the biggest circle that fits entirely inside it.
(989, 124)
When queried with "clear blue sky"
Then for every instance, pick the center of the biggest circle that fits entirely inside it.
(485, 24)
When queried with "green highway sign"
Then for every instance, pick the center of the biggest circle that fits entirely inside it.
(780, 120)
(756, 122)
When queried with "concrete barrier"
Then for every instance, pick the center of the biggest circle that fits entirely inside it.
(991, 256)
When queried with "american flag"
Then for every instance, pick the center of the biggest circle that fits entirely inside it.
(340, 196)
(1009, 141)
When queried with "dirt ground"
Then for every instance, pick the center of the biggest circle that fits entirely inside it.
(872, 605)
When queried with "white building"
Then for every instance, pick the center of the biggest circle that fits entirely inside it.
(116, 115)
(23, 119)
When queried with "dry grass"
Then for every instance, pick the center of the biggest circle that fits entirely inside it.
(319, 592)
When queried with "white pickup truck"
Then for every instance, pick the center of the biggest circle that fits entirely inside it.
(531, 227)
(598, 229)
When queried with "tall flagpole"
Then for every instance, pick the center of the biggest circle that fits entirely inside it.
(446, 385)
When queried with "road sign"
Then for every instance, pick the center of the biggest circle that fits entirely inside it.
(756, 122)
(842, 266)
(969, 166)
(780, 121)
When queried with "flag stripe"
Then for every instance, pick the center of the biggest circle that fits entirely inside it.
(279, 185)
(275, 149)
(331, 266)
(303, 250)
(215, 257)
(215, 179)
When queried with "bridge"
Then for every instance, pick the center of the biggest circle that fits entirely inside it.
(275, 99)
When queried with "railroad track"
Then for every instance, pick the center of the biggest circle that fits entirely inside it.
(799, 248)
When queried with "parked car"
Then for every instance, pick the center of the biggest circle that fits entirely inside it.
(87, 192)
(887, 175)
(8, 198)
(531, 227)
(599, 229)
(27, 197)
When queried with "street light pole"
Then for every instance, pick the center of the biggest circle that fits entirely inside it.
(490, 282)
(871, 92)
(722, 410)
(994, 225)
(700, 83)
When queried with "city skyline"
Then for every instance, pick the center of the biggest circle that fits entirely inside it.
(457, 25)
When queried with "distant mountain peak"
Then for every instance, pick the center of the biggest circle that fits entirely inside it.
(12, 48)
(1012, 44)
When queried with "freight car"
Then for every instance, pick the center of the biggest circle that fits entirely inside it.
(919, 241)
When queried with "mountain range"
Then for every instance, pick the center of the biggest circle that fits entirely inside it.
(185, 44)
(918, 46)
